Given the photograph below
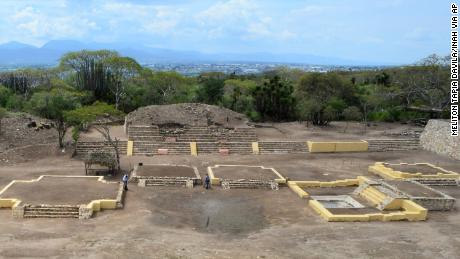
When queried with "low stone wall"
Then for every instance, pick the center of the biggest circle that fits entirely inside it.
(337, 146)
(436, 138)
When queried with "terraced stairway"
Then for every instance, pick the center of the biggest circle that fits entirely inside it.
(242, 148)
(282, 147)
(144, 133)
(51, 211)
(382, 145)
(373, 195)
(378, 195)
(84, 147)
(151, 148)
(192, 134)
(242, 135)
(205, 134)
(249, 184)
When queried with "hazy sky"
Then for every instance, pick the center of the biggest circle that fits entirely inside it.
(386, 30)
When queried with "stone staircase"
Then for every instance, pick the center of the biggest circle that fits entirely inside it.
(249, 184)
(387, 201)
(144, 133)
(382, 145)
(378, 194)
(84, 147)
(241, 148)
(437, 182)
(282, 147)
(166, 181)
(151, 148)
(195, 134)
(210, 134)
(373, 196)
(242, 135)
(51, 211)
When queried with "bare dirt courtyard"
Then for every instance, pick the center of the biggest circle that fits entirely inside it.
(61, 191)
(175, 222)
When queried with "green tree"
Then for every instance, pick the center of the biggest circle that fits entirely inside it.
(52, 105)
(274, 99)
(91, 70)
(318, 91)
(169, 86)
(23, 81)
(238, 95)
(5, 94)
(98, 114)
(120, 70)
(211, 87)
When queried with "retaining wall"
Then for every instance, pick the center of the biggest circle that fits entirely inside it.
(338, 146)
(436, 138)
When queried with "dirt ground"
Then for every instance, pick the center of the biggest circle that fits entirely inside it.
(15, 132)
(61, 191)
(194, 223)
(243, 172)
(166, 171)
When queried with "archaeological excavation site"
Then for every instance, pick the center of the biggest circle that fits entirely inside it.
(275, 188)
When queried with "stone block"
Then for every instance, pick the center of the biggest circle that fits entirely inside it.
(141, 182)
(18, 211)
(170, 139)
(189, 184)
(85, 212)
(163, 151)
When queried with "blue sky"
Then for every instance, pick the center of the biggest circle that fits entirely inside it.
(396, 31)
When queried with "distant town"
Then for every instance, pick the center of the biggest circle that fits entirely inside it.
(193, 69)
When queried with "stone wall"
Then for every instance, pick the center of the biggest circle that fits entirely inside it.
(436, 138)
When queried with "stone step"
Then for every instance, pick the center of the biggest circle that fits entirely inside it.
(34, 212)
(147, 138)
(195, 140)
(156, 154)
(381, 145)
(130, 131)
(51, 209)
(151, 181)
(438, 182)
(51, 216)
(248, 184)
(165, 183)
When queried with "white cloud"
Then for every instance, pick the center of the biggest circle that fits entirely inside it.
(235, 18)
(227, 11)
(146, 18)
(38, 24)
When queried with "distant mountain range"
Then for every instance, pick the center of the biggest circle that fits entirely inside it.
(17, 53)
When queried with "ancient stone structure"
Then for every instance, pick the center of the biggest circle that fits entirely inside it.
(436, 138)
(82, 208)
(249, 184)
(383, 145)
(83, 147)
(160, 175)
(423, 195)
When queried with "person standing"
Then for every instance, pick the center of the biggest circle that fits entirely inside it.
(125, 181)
(207, 182)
